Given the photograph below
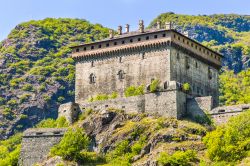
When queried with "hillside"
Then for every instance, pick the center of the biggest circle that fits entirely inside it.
(115, 138)
(36, 73)
(227, 34)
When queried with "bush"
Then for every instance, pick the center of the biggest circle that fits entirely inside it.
(154, 86)
(186, 87)
(24, 98)
(113, 95)
(60, 99)
(71, 145)
(27, 87)
(177, 159)
(134, 91)
(51, 123)
(230, 142)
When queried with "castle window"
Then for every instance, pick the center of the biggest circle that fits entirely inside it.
(115, 43)
(187, 62)
(155, 36)
(92, 78)
(199, 49)
(196, 64)
(163, 35)
(123, 42)
(166, 85)
(210, 73)
(174, 36)
(143, 55)
(120, 59)
(131, 40)
(92, 47)
(147, 38)
(178, 55)
(187, 42)
(183, 40)
(107, 45)
(179, 38)
(121, 74)
(100, 46)
(139, 39)
(77, 50)
(84, 48)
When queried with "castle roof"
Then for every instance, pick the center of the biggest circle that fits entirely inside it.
(148, 38)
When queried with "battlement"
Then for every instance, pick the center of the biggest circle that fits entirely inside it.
(151, 38)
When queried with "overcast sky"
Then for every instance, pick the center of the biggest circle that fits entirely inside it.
(110, 13)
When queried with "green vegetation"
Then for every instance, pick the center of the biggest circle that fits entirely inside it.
(178, 158)
(51, 123)
(230, 142)
(134, 91)
(235, 88)
(72, 144)
(154, 86)
(9, 150)
(101, 97)
(186, 87)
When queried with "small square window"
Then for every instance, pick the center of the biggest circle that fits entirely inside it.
(147, 38)
(131, 40)
(107, 45)
(84, 48)
(77, 50)
(155, 36)
(92, 47)
(139, 39)
(100, 46)
(115, 43)
(123, 42)
(163, 35)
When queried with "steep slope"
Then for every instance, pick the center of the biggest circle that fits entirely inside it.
(36, 72)
(227, 34)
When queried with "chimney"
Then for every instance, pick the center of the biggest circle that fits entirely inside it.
(127, 28)
(168, 25)
(111, 33)
(119, 30)
(186, 33)
(158, 24)
(141, 26)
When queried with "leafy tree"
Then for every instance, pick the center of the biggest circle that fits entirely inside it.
(230, 142)
(73, 142)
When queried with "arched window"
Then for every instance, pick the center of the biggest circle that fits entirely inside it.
(121, 74)
(92, 78)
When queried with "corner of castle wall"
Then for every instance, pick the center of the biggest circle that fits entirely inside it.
(70, 111)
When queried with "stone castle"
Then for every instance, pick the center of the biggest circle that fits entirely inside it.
(134, 59)
(137, 58)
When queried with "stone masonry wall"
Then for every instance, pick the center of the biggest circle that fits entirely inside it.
(198, 106)
(224, 113)
(161, 103)
(138, 67)
(36, 144)
(196, 74)
(70, 111)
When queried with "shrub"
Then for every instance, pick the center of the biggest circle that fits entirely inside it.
(51, 123)
(12, 103)
(178, 158)
(186, 87)
(46, 98)
(230, 142)
(71, 145)
(61, 122)
(24, 98)
(60, 99)
(134, 91)
(154, 86)
(27, 87)
(113, 95)
(2, 101)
